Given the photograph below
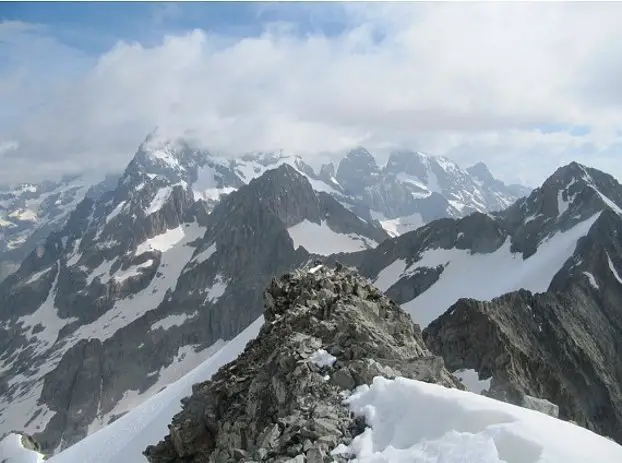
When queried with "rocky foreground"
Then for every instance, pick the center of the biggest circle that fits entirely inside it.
(325, 333)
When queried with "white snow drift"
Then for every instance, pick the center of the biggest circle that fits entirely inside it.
(412, 421)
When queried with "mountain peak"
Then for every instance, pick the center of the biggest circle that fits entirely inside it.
(481, 172)
(357, 170)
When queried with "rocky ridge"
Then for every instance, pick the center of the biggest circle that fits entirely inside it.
(562, 347)
(325, 332)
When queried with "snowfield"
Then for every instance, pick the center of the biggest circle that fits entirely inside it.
(412, 421)
(483, 276)
(320, 239)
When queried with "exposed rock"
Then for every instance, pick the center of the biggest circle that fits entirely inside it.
(556, 353)
(541, 405)
(325, 332)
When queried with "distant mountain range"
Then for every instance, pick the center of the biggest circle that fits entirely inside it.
(145, 278)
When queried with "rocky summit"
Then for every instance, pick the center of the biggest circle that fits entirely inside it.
(326, 331)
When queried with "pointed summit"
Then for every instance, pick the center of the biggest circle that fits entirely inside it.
(481, 172)
(357, 170)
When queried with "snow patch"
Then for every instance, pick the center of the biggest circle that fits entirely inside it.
(205, 254)
(116, 211)
(133, 271)
(562, 205)
(322, 358)
(217, 289)
(37, 275)
(173, 320)
(591, 279)
(320, 239)
(400, 225)
(159, 200)
(613, 270)
(613, 206)
(162, 242)
(12, 451)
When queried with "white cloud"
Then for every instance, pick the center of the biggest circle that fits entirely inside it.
(467, 80)
(9, 145)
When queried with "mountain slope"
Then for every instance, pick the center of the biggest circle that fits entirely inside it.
(484, 256)
(145, 282)
(562, 345)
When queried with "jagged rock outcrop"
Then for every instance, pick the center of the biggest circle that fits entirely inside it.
(562, 347)
(325, 332)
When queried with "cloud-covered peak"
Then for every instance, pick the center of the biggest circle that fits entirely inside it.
(319, 78)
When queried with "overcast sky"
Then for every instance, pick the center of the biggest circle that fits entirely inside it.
(524, 87)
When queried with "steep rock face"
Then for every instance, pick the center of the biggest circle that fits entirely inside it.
(325, 332)
(562, 347)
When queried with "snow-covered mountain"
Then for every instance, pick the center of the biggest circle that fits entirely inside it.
(486, 255)
(152, 277)
(321, 338)
(30, 212)
(146, 280)
(563, 240)
(413, 189)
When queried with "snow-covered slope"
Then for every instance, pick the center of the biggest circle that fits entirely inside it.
(484, 256)
(482, 276)
(321, 239)
(462, 427)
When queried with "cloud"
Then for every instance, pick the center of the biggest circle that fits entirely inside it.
(6, 146)
(470, 81)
